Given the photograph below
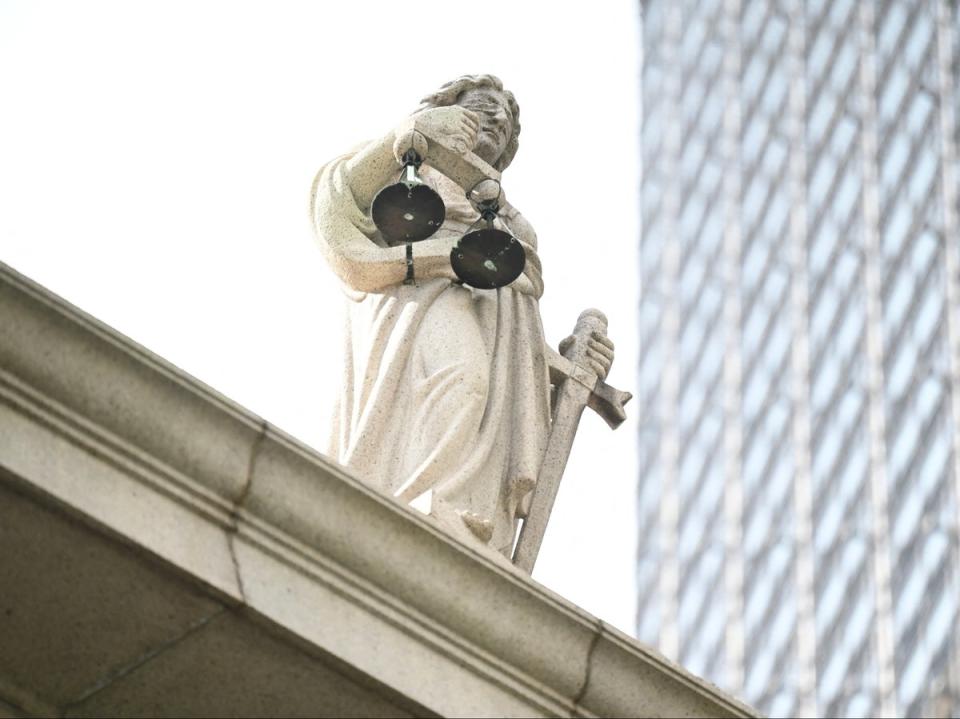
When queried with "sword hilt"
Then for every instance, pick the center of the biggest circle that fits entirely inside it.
(589, 322)
(572, 364)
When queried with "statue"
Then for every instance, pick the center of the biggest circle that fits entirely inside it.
(446, 398)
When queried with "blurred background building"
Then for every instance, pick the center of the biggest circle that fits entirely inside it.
(800, 351)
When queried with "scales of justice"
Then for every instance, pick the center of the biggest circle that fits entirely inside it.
(410, 211)
(452, 400)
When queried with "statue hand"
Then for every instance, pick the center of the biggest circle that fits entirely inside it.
(455, 126)
(599, 352)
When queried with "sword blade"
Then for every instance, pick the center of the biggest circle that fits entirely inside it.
(570, 404)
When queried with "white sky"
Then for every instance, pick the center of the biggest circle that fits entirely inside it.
(155, 163)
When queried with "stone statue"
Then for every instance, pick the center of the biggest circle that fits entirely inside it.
(446, 398)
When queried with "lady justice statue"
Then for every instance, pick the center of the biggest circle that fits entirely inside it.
(446, 399)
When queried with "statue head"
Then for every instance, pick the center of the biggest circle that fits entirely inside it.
(498, 139)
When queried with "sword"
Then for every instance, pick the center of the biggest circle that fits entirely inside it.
(578, 386)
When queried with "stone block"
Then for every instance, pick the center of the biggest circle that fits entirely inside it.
(77, 608)
(233, 668)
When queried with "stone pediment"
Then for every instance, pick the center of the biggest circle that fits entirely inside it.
(166, 552)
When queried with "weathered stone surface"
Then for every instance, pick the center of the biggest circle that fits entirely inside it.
(234, 668)
(153, 575)
(76, 607)
(103, 478)
(100, 376)
(9, 711)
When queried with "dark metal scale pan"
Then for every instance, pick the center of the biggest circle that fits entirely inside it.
(407, 212)
(488, 258)
(410, 211)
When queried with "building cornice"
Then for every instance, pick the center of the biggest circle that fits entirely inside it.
(266, 524)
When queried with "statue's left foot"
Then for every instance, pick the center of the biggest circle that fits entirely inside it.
(481, 528)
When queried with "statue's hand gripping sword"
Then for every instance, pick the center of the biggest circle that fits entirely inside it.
(578, 386)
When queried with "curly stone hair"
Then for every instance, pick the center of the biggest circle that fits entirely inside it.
(450, 92)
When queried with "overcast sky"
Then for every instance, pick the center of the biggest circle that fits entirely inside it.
(155, 164)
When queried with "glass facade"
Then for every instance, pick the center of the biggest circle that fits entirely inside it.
(800, 351)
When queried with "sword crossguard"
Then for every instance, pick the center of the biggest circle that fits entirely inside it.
(608, 402)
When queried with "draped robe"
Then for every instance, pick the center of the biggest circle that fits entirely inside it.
(445, 396)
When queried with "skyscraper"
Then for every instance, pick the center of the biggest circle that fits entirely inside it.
(800, 351)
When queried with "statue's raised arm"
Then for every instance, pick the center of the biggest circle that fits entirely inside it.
(342, 195)
(345, 188)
